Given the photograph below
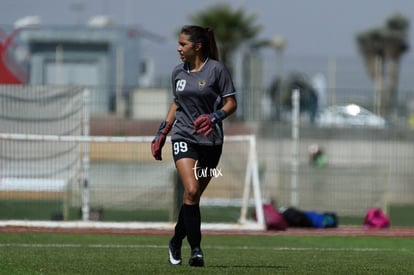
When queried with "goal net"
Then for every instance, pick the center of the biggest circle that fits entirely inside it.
(38, 170)
(48, 155)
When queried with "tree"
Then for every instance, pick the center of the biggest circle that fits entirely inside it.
(308, 99)
(381, 47)
(231, 27)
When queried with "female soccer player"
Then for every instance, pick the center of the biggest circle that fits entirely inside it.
(204, 95)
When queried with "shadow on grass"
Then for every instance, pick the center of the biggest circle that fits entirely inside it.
(280, 267)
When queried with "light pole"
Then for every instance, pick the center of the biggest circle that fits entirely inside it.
(279, 44)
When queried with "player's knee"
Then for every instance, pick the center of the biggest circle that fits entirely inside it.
(192, 195)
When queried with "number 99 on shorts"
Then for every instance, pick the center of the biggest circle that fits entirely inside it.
(180, 147)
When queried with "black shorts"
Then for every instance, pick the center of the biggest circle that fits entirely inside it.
(207, 156)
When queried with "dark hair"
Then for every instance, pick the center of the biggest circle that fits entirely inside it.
(205, 36)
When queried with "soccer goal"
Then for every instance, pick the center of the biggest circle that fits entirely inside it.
(106, 181)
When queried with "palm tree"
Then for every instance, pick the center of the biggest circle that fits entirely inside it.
(231, 27)
(395, 44)
(385, 46)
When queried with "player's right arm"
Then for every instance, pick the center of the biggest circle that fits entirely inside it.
(170, 118)
(165, 128)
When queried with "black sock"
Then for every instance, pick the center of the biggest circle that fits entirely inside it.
(192, 222)
(179, 231)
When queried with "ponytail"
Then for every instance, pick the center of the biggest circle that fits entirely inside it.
(212, 43)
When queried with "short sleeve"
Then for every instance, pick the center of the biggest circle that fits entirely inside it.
(225, 82)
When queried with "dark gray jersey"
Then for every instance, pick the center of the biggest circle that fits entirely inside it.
(199, 93)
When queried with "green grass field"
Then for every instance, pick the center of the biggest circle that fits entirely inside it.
(45, 253)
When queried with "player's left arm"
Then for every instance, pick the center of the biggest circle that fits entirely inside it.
(230, 104)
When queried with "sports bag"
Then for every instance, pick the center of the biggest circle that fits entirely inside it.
(273, 219)
(296, 218)
(376, 218)
(322, 220)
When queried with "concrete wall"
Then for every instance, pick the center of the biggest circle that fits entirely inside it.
(150, 103)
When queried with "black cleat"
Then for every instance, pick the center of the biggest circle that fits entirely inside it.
(175, 254)
(197, 257)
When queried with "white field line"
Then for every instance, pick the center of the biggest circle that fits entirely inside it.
(254, 226)
(256, 248)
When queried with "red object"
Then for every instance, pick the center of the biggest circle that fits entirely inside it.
(375, 218)
(204, 124)
(10, 72)
(273, 219)
(159, 140)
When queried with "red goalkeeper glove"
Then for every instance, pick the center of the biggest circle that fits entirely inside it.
(159, 140)
(205, 124)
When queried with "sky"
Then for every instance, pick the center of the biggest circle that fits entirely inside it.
(309, 27)
(303, 23)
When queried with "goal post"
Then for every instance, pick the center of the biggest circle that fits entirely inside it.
(252, 182)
